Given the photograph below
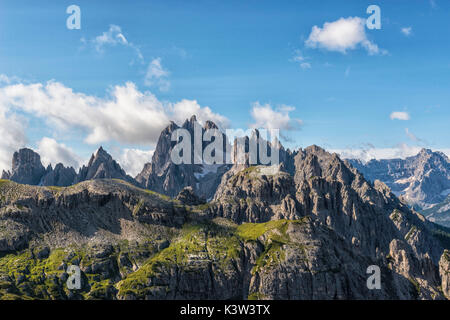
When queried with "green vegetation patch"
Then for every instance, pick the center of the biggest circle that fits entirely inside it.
(32, 277)
(276, 238)
(256, 296)
(252, 231)
(3, 182)
(198, 245)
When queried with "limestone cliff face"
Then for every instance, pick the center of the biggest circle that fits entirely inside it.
(26, 167)
(163, 176)
(77, 213)
(257, 194)
(368, 219)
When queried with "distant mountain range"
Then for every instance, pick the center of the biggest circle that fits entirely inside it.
(423, 181)
(27, 168)
(439, 213)
(307, 228)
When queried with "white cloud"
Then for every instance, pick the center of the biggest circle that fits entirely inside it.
(133, 160)
(52, 152)
(126, 116)
(298, 57)
(113, 37)
(369, 152)
(12, 133)
(301, 60)
(184, 109)
(400, 115)
(342, 35)
(5, 80)
(406, 31)
(305, 65)
(401, 151)
(266, 117)
(157, 76)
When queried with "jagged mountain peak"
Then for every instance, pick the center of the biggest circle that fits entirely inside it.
(26, 167)
(210, 125)
(190, 123)
(422, 180)
(102, 166)
(425, 151)
(321, 230)
(101, 154)
(163, 176)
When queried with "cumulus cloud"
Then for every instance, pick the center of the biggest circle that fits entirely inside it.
(342, 35)
(184, 109)
(267, 117)
(4, 79)
(12, 133)
(400, 115)
(127, 115)
(133, 160)
(406, 31)
(156, 75)
(52, 152)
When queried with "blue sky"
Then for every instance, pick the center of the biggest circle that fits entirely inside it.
(134, 65)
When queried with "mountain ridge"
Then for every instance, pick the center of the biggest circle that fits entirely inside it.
(421, 179)
(307, 228)
(28, 169)
(299, 250)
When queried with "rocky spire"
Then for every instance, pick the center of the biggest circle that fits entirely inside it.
(102, 166)
(26, 167)
(163, 176)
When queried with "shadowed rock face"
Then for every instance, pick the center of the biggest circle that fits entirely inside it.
(423, 180)
(187, 196)
(163, 176)
(60, 176)
(369, 220)
(102, 166)
(26, 167)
